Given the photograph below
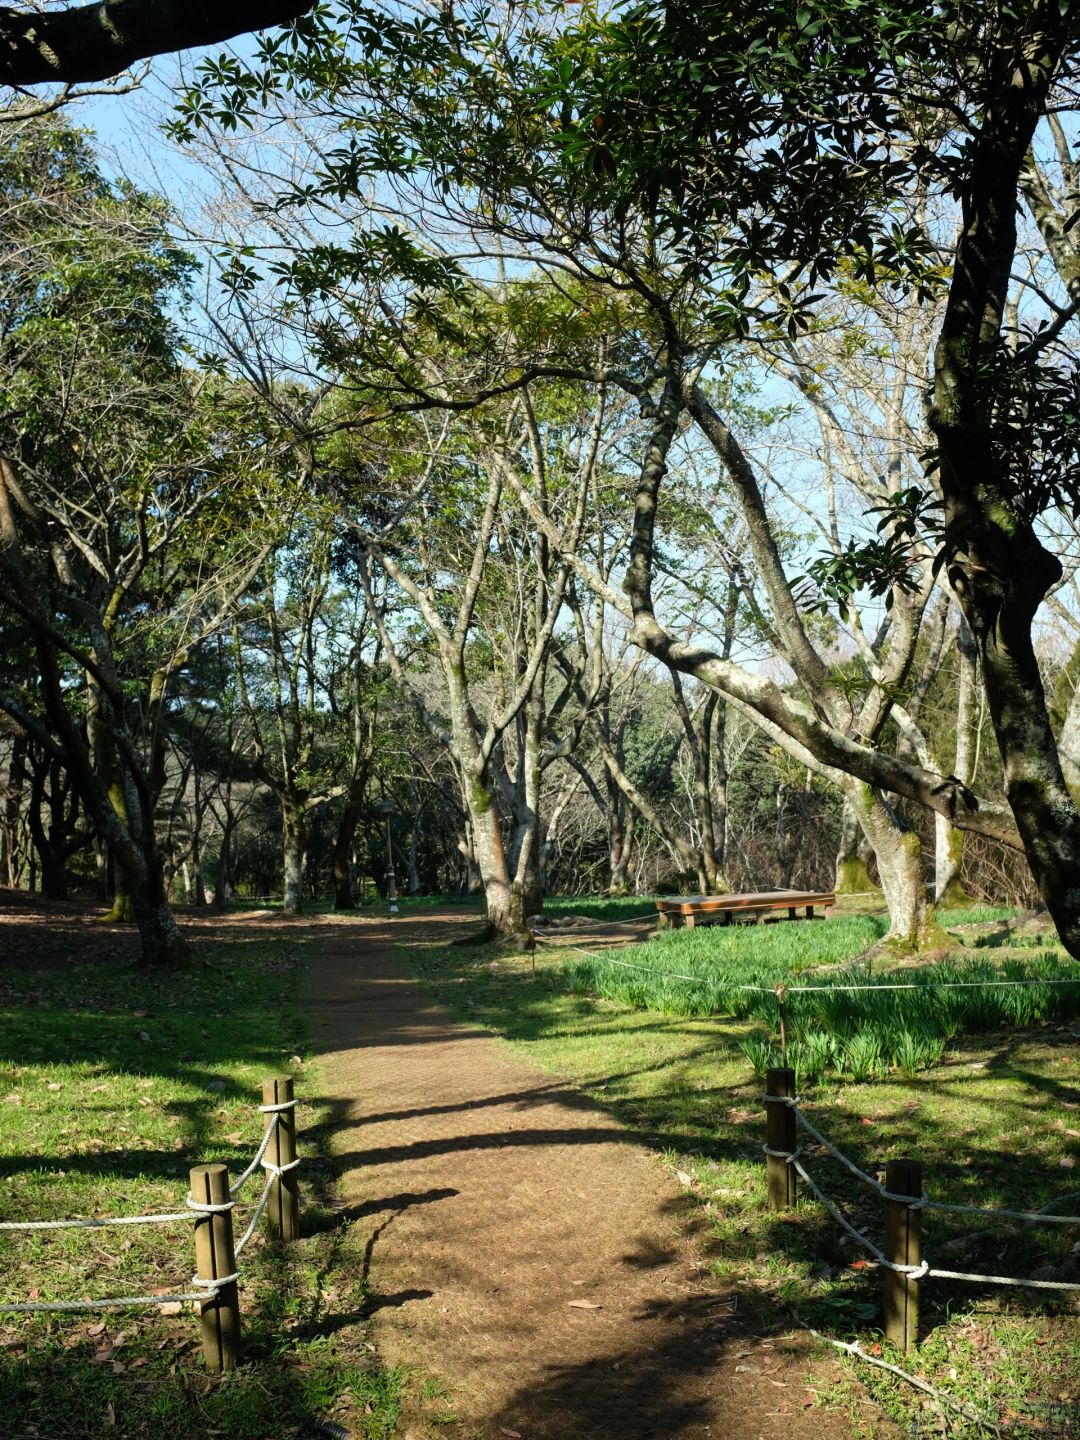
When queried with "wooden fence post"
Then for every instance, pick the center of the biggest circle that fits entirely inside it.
(780, 1136)
(214, 1259)
(283, 1206)
(903, 1246)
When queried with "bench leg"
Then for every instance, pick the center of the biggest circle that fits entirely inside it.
(809, 912)
(688, 920)
(792, 913)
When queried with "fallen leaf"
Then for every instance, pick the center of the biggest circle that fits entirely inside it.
(95, 1329)
(512, 1434)
(142, 1036)
(684, 1179)
(110, 1414)
(140, 1360)
(583, 1305)
(53, 1086)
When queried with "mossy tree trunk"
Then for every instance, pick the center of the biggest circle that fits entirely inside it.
(853, 856)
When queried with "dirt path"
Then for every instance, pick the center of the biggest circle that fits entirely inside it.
(524, 1248)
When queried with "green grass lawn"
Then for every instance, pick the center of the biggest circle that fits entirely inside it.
(995, 1122)
(831, 1026)
(112, 1084)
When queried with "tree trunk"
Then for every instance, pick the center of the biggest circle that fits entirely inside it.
(160, 939)
(17, 776)
(293, 856)
(54, 882)
(912, 926)
(341, 863)
(948, 840)
(852, 857)
(504, 901)
(223, 872)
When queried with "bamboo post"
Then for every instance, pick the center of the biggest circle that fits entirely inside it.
(903, 1246)
(781, 993)
(283, 1206)
(214, 1259)
(780, 1136)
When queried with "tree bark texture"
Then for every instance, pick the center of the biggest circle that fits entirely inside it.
(85, 43)
(999, 569)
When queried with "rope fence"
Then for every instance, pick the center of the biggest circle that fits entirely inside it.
(905, 1201)
(209, 1205)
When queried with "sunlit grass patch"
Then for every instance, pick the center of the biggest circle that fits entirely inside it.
(113, 1083)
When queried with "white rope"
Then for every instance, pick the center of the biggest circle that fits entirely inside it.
(800, 1119)
(212, 1286)
(1032, 1217)
(276, 1170)
(592, 923)
(238, 1185)
(257, 1216)
(276, 1109)
(94, 1224)
(783, 1154)
(46, 1307)
(208, 1207)
(913, 1272)
(928, 985)
(1004, 1280)
(664, 974)
(968, 1413)
(914, 1202)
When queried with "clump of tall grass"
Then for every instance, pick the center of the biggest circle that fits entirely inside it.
(854, 1024)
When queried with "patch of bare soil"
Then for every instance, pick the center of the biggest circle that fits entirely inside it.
(52, 935)
(522, 1248)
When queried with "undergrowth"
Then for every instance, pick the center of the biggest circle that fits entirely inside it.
(112, 1084)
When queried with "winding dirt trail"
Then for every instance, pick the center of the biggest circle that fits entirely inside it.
(523, 1247)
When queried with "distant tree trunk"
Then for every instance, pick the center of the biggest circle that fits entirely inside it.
(949, 841)
(899, 860)
(504, 903)
(223, 870)
(341, 862)
(293, 857)
(412, 866)
(852, 856)
(17, 776)
(525, 799)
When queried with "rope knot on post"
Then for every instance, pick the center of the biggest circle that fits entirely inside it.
(207, 1207)
(276, 1170)
(913, 1202)
(789, 1155)
(210, 1286)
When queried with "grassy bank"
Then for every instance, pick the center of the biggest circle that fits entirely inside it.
(995, 1122)
(113, 1083)
(842, 1016)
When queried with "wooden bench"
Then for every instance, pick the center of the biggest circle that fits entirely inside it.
(693, 910)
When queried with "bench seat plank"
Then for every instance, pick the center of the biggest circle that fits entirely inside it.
(719, 909)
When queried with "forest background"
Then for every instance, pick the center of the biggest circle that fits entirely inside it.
(552, 437)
